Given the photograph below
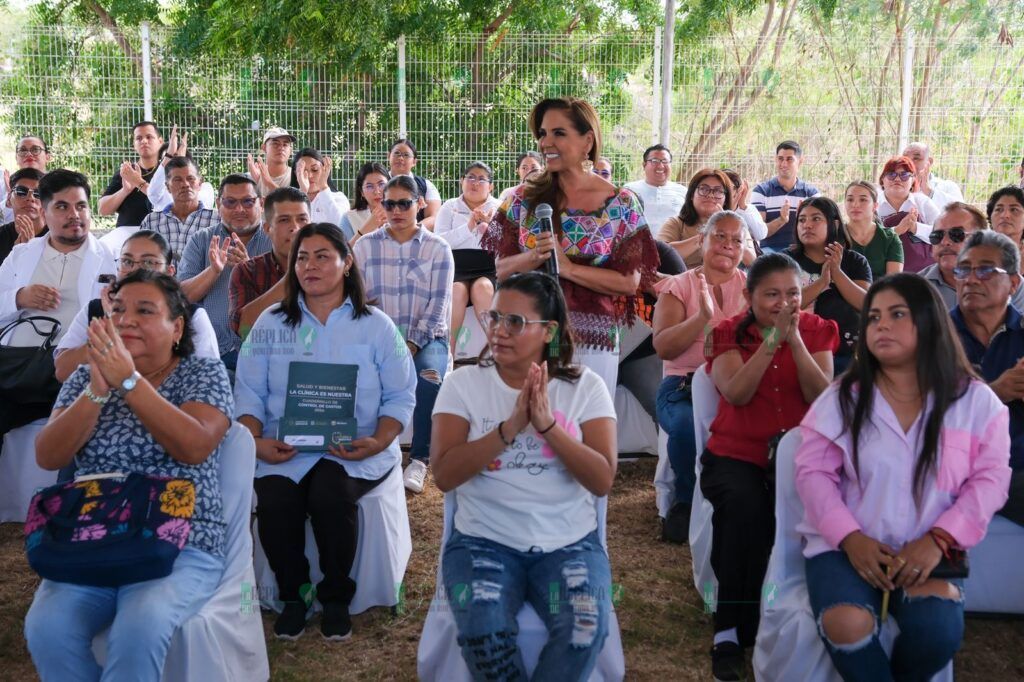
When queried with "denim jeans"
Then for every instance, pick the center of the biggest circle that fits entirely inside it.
(142, 618)
(675, 415)
(487, 583)
(931, 628)
(433, 356)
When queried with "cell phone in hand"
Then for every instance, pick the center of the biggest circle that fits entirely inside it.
(106, 279)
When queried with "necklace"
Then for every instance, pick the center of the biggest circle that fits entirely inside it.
(155, 378)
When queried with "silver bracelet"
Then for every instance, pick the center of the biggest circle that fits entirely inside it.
(98, 399)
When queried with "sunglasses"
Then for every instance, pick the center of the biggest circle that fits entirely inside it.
(982, 272)
(400, 204)
(902, 176)
(22, 192)
(511, 323)
(956, 235)
(232, 204)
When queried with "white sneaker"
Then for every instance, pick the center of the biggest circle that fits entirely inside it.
(414, 476)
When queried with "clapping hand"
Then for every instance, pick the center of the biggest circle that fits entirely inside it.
(176, 147)
(302, 175)
(909, 223)
(784, 211)
(25, 228)
(540, 406)
(833, 257)
(786, 322)
(707, 305)
(131, 175)
(261, 174)
(480, 219)
(107, 352)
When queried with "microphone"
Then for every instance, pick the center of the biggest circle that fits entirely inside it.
(544, 213)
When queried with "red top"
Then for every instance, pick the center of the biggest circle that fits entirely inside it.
(743, 432)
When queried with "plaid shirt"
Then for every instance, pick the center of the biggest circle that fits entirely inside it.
(249, 281)
(177, 232)
(412, 282)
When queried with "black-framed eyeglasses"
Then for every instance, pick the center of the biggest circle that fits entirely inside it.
(902, 176)
(400, 204)
(21, 192)
(714, 192)
(956, 235)
(30, 151)
(512, 323)
(982, 272)
(145, 263)
(660, 162)
(232, 204)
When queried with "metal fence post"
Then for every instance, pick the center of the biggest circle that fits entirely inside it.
(147, 75)
(908, 88)
(667, 62)
(402, 127)
(656, 87)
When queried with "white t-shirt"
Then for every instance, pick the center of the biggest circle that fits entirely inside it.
(328, 207)
(660, 202)
(525, 498)
(452, 222)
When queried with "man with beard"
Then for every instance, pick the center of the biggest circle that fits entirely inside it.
(125, 195)
(186, 214)
(211, 255)
(27, 212)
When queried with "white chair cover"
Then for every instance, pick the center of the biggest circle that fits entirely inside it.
(116, 238)
(20, 476)
(385, 544)
(705, 407)
(637, 432)
(224, 640)
(788, 646)
(664, 477)
(994, 584)
(439, 658)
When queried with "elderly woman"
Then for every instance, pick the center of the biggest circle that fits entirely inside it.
(600, 240)
(689, 304)
(910, 213)
(311, 173)
(367, 213)
(324, 294)
(145, 403)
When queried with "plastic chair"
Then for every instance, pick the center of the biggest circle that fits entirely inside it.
(705, 407)
(20, 476)
(439, 657)
(382, 554)
(788, 646)
(224, 640)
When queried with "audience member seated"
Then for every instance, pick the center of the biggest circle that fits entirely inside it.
(901, 461)
(159, 193)
(756, 227)
(272, 171)
(212, 254)
(662, 198)
(525, 442)
(776, 199)
(868, 237)
(258, 283)
(367, 214)
(125, 194)
(325, 292)
(689, 305)
(601, 242)
(312, 175)
(402, 159)
(527, 164)
(768, 364)
(993, 337)
(941, 192)
(709, 192)
(30, 152)
(145, 404)
(145, 250)
(186, 214)
(1005, 211)
(27, 221)
(908, 212)
(409, 271)
(834, 276)
(603, 168)
(461, 222)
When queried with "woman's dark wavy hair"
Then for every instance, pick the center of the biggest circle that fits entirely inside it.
(174, 297)
(310, 153)
(836, 230)
(355, 290)
(688, 212)
(765, 265)
(943, 370)
(550, 304)
(360, 203)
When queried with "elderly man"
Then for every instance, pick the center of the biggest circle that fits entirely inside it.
(26, 211)
(186, 213)
(662, 198)
(955, 224)
(941, 192)
(987, 273)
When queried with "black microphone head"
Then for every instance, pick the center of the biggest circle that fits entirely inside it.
(543, 211)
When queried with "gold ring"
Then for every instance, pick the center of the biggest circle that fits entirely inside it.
(903, 562)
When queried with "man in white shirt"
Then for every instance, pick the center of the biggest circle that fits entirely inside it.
(55, 274)
(940, 191)
(662, 198)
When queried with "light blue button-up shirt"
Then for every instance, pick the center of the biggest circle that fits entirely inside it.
(386, 384)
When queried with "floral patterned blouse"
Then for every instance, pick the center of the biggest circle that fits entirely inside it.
(121, 443)
(615, 237)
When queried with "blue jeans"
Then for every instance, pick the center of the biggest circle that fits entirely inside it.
(433, 356)
(931, 628)
(569, 588)
(675, 415)
(142, 618)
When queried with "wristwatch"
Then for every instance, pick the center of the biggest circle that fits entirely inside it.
(129, 383)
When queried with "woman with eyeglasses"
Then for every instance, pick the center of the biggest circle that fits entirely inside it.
(527, 164)
(402, 159)
(868, 236)
(525, 442)
(834, 277)
(311, 173)
(600, 242)
(367, 213)
(409, 271)
(709, 191)
(908, 212)
(144, 250)
(461, 222)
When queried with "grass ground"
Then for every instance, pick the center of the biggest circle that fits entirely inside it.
(665, 631)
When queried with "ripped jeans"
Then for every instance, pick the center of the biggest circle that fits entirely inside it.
(433, 357)
(931, 628)
(570, 588)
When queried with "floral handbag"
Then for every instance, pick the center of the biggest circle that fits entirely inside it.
(110, 531)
